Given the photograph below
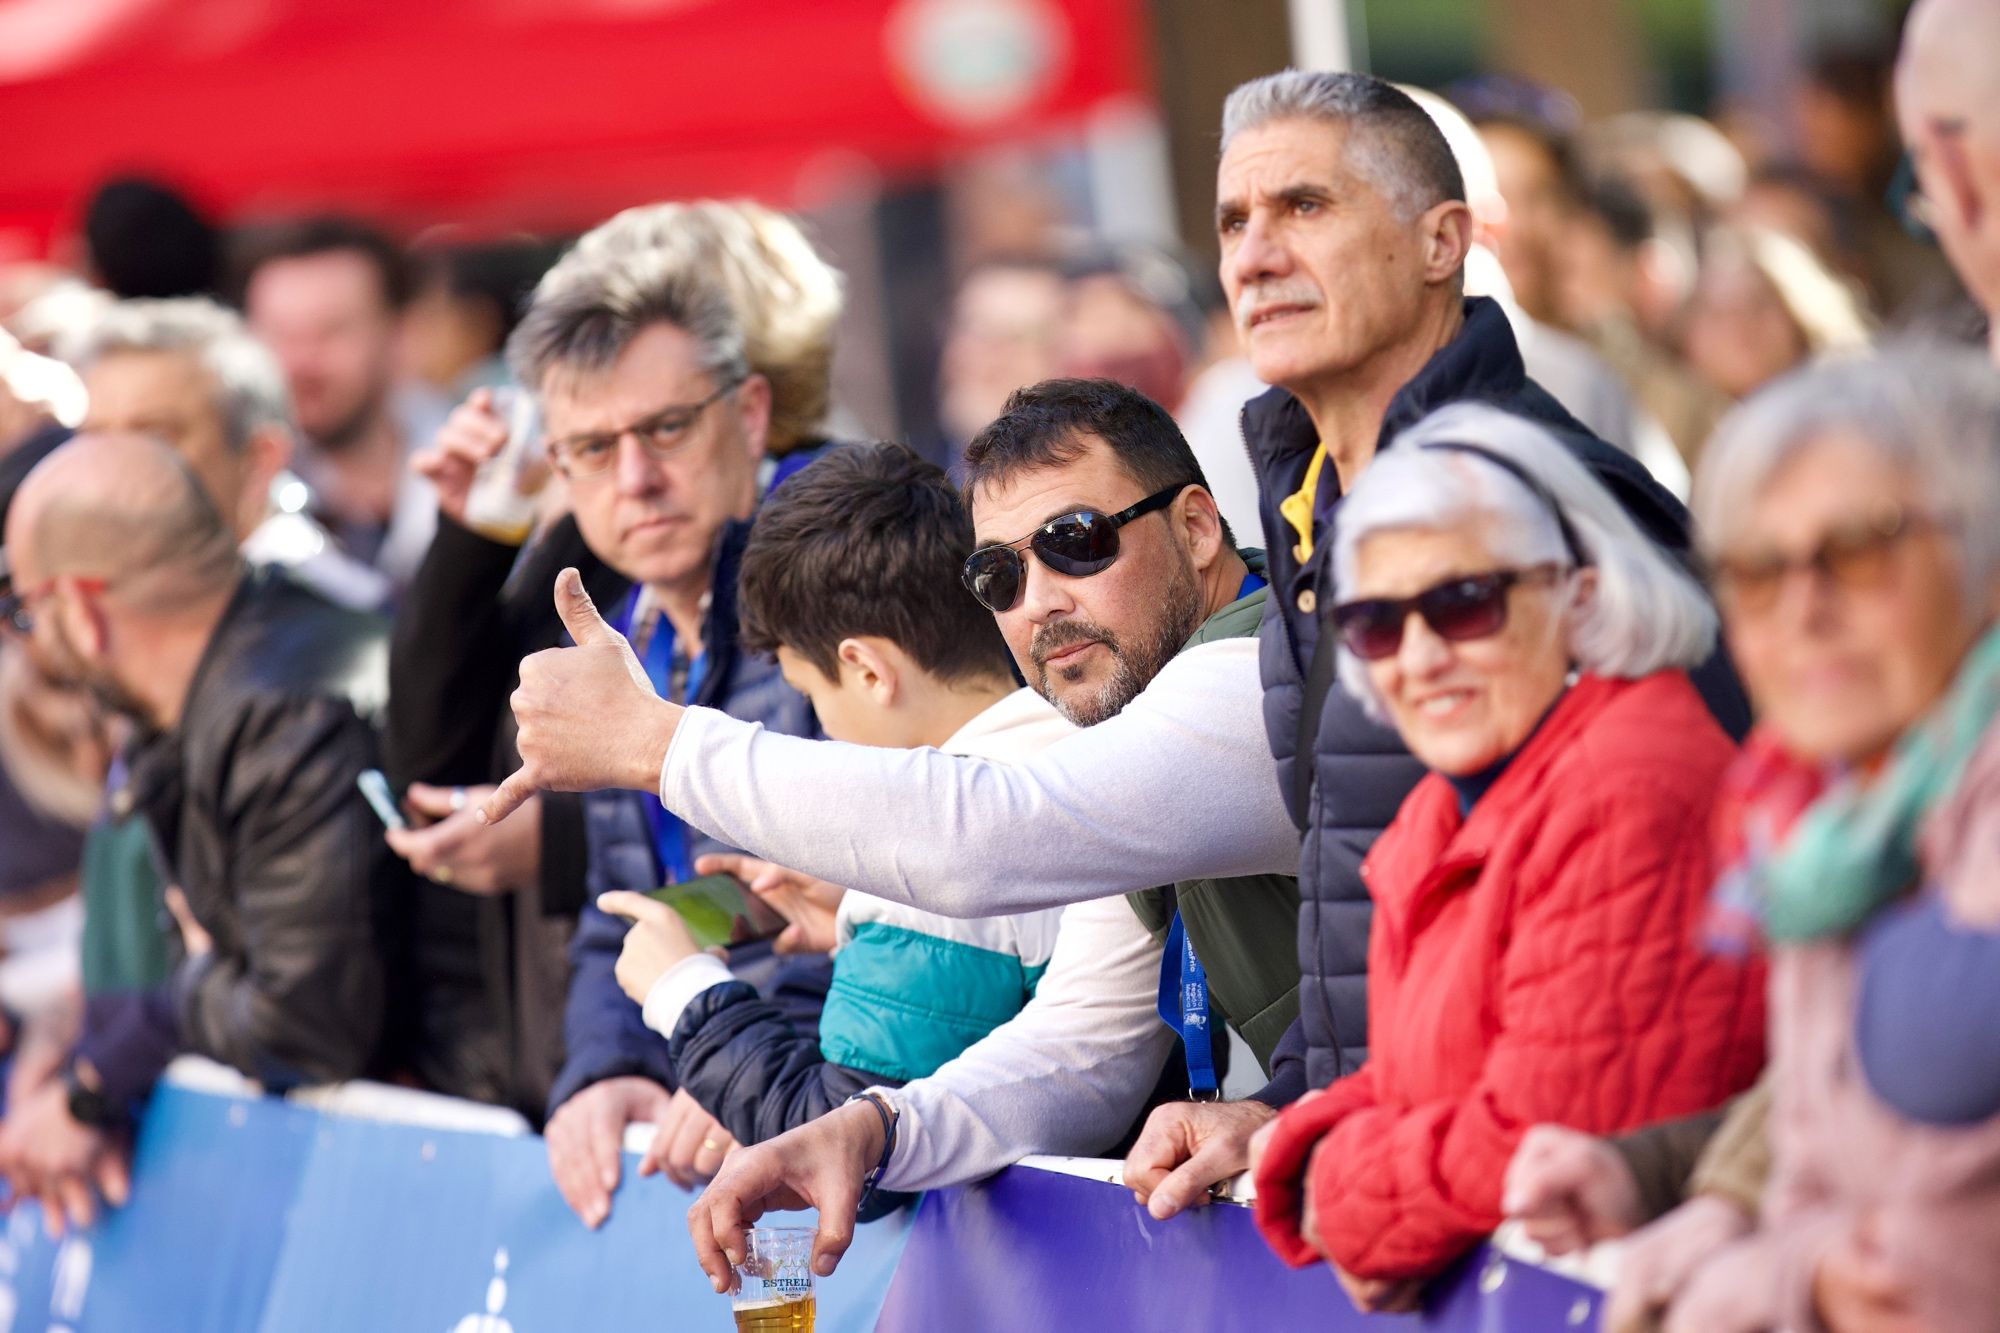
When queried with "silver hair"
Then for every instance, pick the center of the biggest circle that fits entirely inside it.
(1391, 140)
(1930, 410)
(1646, 613)
(250, 392)
(589, 307)
(786, 296)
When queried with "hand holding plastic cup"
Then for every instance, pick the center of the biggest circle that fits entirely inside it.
(774, 1283)
(501, 503)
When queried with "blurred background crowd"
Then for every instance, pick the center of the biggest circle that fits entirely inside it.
(1675, 203)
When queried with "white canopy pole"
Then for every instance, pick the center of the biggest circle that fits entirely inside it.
(1320, 35)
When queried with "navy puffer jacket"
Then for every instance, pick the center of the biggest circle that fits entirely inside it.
(1361, 772)
(603, 1032)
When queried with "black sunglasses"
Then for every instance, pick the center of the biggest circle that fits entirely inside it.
(1078, 544)
(1469, 607)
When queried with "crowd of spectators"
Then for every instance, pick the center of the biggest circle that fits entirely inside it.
(1284, 725)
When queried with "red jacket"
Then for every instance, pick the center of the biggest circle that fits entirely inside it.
(1535, 962)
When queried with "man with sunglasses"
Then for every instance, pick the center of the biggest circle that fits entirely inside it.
(1124, 602)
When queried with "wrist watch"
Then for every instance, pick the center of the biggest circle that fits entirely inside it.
(87, 1103)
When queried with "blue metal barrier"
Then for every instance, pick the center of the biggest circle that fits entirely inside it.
(1037, 1250)
(255, 1215)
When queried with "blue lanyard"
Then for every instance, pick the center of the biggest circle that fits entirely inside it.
(670, 838)
(1184, 1007)
(1184, 981)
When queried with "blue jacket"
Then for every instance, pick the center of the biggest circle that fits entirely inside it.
(603, 1033)
(1361, 772)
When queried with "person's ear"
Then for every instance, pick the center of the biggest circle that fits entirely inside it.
(1446, 229)
(84, 622)
(1201, 521)
(753, 414)
(267, 452)
(1582, 594)
(865, 662)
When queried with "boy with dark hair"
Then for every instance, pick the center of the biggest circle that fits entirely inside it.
(851, 579)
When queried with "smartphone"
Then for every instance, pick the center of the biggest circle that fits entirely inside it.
(375, 790)
(719, 911)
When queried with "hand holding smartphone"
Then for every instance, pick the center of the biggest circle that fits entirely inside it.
(375, 790)
(719, 911)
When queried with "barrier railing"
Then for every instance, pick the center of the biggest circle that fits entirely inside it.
(261, 1215)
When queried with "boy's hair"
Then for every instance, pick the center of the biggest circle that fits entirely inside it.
(867, 539)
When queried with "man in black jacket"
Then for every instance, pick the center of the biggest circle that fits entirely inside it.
(250, 696)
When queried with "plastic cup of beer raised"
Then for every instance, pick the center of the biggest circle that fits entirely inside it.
(774, 1283)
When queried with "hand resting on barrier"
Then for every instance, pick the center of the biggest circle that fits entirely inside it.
(1570, 1190)
(1188, 1148)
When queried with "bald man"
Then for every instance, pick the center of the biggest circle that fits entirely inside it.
(250, 699)
(1946, 79)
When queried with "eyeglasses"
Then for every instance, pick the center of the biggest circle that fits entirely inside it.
(14, 604)
(1853, 556)
(1471, 606)
(662, 435)
(1078, 544)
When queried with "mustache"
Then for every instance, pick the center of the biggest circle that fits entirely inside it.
(1251, 300)
(1060, 634)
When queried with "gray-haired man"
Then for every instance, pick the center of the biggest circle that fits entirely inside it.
(191, 373)
(657, 424)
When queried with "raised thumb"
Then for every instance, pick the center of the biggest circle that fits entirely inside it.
(578, 612)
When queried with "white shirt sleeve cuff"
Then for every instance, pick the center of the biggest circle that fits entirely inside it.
(677, 988)
(692, 720)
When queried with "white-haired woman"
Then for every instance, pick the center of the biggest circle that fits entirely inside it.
(1852, 516)
(1533, 955)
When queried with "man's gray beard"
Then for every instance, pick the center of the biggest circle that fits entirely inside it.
(1133, 669)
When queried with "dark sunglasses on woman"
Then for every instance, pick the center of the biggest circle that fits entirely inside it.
(1471, 606)
(1078, 544)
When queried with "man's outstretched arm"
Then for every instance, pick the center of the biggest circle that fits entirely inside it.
(1179, 785)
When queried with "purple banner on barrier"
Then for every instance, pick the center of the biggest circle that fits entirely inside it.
(1036, 1249)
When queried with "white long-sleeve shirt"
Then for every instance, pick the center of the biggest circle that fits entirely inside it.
(1066, 1075)
(1179, 785)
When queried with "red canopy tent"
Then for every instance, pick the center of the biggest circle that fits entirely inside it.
(541, 114)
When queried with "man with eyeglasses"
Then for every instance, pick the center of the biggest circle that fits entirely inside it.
(657, 429)
(1126, 603)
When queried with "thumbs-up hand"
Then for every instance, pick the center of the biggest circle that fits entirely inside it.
(587, 715)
